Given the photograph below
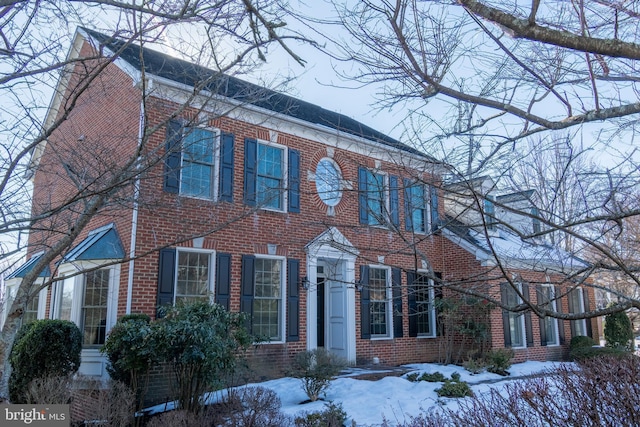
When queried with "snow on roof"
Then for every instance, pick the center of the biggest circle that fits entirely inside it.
(511, 250)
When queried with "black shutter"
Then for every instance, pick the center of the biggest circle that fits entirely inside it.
(504, 293)
(435, 216)
(166, 276)
(294, 181)
(559, 310)
(363, 207)
(394, 208)
(223, 279)
(365, 313)
(542, 303)
(437, 299)
(413, 304)
(571, 310)
(527, 315)
(587, 307)
(250, 171)
(396, 289)
(247, 283)
(173, 157)
(227, 142)
(408, 219)
(293, 300)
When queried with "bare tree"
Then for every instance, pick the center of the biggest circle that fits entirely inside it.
(76, 186)
(478, 78)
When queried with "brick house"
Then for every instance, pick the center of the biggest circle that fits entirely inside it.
(327, 232)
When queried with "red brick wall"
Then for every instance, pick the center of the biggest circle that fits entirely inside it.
(107, 116)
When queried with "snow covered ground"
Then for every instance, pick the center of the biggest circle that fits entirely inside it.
(393, 398)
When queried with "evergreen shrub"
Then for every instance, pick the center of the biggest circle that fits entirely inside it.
(43, 348)
(618, 331)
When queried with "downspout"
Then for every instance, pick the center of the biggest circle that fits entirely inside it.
(134, 217)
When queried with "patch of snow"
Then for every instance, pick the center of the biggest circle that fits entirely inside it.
(394, 398)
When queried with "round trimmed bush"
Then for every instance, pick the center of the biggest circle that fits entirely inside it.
(43, 348)
(580, 342)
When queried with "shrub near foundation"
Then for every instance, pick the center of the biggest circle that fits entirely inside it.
(43, 348)
(618, 331)
(202, 343)
(499, 360)
(316, 368)
(131, 351)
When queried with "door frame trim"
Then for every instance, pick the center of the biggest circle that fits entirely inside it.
(332, 245)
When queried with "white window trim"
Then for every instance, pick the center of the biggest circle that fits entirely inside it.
(432, 313)
(386, 219)
(215, 176)
(76, 272)
(212, 271)
(554, 302)
(283, 296)
(10, 291)
(389, 302)
(285, 174)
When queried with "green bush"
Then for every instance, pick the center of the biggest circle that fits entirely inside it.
(498, 360)
(131, 352)
(332, 416)
(203, 343)
(435, 377)
(43, 348)
(475, 366)
(413, 377)
(581, 341)
(618, 331)
(454, 388)
(316, 368)
(582, 347)
(584, 353)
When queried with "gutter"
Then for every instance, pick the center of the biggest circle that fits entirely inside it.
(134, 216)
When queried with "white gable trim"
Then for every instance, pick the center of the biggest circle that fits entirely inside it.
(331, 243)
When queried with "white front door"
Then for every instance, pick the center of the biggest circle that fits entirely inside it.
(336, 308)
(331, 297)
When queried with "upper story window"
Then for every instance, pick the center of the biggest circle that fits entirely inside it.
(270, 181)
(199, 162)
(416, 198)
(535, 213)
(377, 198)
(271, 176)
(197, 177)
(328, 182)
(490, 214)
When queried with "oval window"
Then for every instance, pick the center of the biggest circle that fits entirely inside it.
(328, 182)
